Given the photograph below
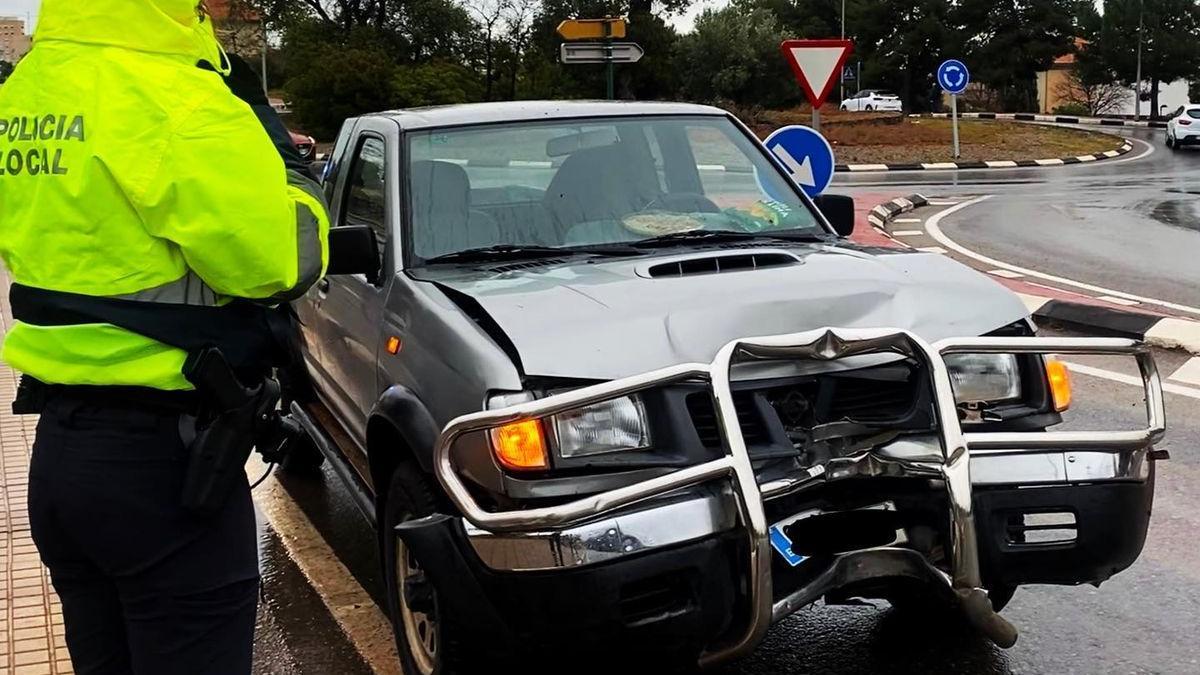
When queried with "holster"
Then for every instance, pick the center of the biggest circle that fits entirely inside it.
(232, 420)
(31, 397)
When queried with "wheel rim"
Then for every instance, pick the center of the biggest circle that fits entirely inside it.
(420, 629)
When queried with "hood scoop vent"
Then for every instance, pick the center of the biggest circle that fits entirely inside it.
(719, 264)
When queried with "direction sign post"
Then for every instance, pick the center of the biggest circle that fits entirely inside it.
(805, 155)
(953, 77)
(599, 29)
(816, 65)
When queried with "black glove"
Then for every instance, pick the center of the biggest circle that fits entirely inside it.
(245, 84)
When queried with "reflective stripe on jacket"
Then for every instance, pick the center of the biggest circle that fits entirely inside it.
(127, 171)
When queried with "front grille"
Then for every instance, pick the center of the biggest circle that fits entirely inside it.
(645, 600)
(867, 400)
(703, 410)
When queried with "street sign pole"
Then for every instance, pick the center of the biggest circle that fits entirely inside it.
(608, 57)
(954, 123)
(816, 119)
(954, 77)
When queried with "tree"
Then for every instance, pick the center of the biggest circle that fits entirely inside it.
(1170, 50)
(1095, 95)
(733, 55)
(6, 69)
(1010, 41)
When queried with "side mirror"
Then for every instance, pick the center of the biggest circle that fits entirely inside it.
(353, 250)
(839, 211)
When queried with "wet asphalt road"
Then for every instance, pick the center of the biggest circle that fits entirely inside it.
(1130, 224)
(1145, 620)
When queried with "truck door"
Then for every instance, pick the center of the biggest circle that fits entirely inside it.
(351, 306)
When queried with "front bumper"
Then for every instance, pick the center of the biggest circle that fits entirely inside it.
(981, 477)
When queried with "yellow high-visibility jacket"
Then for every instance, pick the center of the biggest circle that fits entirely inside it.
(127, 171)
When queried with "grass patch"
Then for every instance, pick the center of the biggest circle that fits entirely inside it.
(889, 138)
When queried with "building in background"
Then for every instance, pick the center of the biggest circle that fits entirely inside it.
(14, 43)
(239, 27)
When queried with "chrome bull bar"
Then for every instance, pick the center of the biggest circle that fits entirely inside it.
(826, 344)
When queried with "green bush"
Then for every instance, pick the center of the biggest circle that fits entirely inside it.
(1073, 108)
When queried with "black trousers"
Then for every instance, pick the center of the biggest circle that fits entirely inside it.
(145, 587)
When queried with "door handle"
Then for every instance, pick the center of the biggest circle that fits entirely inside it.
(323, 286)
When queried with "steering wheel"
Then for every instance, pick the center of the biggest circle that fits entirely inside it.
(682, 202)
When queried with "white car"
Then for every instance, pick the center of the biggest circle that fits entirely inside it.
(873, 99)
(1184, 127)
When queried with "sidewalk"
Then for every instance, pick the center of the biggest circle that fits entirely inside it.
(31, 623)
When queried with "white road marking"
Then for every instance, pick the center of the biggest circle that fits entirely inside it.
(908, 233)
(710, 167)
(868, 167)
(1118, 301)
(351, 606)
(1007, 274)
(1135, 380)
(1188, 373)
(942, 203)
(1001, 164)
(907, 220)
(1086, 158)
(932, 249)
(1049, 162)
(933, 227)
(937, 166)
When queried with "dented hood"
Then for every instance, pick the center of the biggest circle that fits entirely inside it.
(609, 319)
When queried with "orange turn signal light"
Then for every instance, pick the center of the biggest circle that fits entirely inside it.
(521, 446)
(393, 345)
(1060, 384)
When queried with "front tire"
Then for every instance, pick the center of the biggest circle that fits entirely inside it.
(425, 640)
(869, 109)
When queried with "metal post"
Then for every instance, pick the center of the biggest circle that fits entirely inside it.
(842, 80)
(816, 119)
(608, 55)
(954, 121)
(1137, 85)
(263, 25)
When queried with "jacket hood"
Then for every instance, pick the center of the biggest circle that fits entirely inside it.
(609, 319)
(176, 27)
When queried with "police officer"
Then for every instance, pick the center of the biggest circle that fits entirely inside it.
(146, 189)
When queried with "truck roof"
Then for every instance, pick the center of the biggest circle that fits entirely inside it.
(523, 111)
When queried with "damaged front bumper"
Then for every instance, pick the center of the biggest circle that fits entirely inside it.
(1001, 492)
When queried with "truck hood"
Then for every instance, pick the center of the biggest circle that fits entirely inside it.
(608, 319)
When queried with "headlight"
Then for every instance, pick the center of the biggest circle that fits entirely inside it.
(610, 426)
(984, 377)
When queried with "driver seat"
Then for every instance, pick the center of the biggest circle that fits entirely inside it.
(600, 184)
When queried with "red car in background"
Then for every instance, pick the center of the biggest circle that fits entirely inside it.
(306, 145)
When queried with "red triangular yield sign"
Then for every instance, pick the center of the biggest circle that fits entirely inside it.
(817, 65)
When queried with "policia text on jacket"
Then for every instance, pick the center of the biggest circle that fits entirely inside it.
(36, 133)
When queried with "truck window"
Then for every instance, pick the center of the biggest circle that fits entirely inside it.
(366, 201)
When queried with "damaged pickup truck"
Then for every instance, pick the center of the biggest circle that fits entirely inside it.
(608, 383)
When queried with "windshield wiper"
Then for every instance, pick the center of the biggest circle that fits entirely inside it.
(718, 236)
(693, 235)
(498, 251)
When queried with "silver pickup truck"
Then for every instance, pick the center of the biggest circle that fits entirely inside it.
(601, 375)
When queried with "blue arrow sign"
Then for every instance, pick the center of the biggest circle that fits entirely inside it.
(805, 155)
(953, 76)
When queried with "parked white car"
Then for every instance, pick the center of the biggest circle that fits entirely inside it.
(1184, 127)
(873, 99)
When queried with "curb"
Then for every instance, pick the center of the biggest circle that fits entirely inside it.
(1155, 330)
(995, 164)
(880, 215)
(1057, 119)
